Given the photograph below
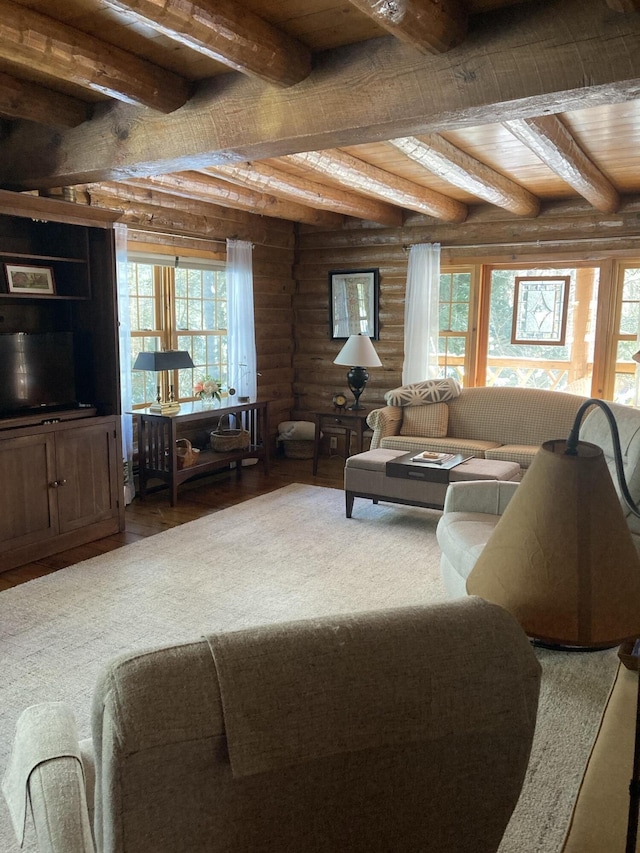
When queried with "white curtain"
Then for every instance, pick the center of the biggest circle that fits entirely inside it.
(240, 321)
(421, 314)
(635, 400)
(124, 331)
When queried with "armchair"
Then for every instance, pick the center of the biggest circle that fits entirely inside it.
(472, 509)
(366, 732)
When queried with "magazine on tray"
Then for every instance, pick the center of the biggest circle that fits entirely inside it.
(432, 457)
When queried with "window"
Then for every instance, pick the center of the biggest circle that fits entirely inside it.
(487, 337)
(177, 307)
(555, 362)
(625, 388)
(455, 322)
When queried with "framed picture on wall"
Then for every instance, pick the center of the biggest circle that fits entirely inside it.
(540, 310)
(353, 303)
(36, 281)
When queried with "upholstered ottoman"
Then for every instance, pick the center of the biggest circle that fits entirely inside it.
(365, 476)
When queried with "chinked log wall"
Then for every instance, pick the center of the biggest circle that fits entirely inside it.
(566, 231)
(294, 348)
(155, 222)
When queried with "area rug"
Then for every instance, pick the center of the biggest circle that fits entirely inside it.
(288, 554)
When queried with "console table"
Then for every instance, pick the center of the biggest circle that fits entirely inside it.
(157, 435)
(348, 421)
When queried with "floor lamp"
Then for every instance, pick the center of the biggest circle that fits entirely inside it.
(561, 558)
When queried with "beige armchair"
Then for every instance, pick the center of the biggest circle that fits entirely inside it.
(472, 509)
(406, 730)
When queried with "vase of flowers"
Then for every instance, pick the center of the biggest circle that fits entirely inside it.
(210, 392)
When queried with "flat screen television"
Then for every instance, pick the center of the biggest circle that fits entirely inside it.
(38, 373)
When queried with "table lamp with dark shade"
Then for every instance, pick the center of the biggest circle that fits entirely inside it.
(562, 560)
(360, 353)
(164, 360)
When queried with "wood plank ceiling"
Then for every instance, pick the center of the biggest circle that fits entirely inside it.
(316, 111)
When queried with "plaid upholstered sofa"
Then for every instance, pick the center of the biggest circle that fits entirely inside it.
(507, 424)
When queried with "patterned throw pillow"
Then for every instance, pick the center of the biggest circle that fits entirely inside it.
(425, 421)
(419, 393)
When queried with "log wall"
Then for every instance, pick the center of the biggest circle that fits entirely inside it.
(569, 231)
(154, 219)
(292, 264)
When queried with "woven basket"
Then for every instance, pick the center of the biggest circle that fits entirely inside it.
(187, 455)
(298, 448)
(627, 656)
(228, 438)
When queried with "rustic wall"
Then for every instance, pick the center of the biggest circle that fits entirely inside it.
(316, 377)
(292, 263)
(162, 220)
(567, 231)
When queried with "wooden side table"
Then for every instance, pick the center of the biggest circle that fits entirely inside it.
(348, 421)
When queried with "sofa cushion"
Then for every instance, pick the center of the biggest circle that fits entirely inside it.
(415, 444)
(429, 391)
(526, 416)
(425, 420)
(523, 454)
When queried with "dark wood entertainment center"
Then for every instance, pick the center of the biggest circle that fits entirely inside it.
(61, 467)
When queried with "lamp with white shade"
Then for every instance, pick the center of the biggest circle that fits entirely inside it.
(360, 353)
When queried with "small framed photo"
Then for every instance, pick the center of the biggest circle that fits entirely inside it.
(34, 280)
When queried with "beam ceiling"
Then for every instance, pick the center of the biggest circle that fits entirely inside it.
(435, 67)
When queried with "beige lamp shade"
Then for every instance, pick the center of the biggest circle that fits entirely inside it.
(561, 559)
(358, 351)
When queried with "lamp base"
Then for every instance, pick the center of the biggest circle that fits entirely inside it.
(357, 378)
(562, 647)
(164, 408)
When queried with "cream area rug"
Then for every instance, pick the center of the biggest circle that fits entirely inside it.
(290, 554)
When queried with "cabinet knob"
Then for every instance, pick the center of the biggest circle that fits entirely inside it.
(54, 484)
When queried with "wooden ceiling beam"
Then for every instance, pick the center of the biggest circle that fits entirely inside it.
(24, 100)
(367, 92)
(226, 32)
(372, 181)
(205, 188)
(554, 144)
(431, 26)
(34, 41)
(158, 211)
(459, 169)
(266, 178)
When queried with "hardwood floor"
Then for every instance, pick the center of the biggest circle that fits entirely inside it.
(195, 499)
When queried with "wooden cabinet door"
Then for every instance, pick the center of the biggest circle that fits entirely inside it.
(28, 492)
(86, 460)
